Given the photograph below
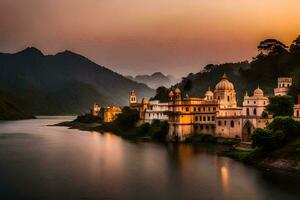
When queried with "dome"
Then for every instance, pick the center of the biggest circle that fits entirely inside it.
(209, 92)
(224, 84)
(258, 92)
(171, 94)
(177, 91)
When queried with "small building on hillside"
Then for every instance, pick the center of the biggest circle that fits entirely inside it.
(95, 110)
(111, 113)
(284, 84)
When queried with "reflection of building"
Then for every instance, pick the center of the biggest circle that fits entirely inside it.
(284, 83)
(148, 110)
(95, 110)
(216, 114)
(297, 110)
(111, 113)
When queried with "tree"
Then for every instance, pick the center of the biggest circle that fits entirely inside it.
(272, 47)
(187, 84)
(127, 119)
(295, 47)
(281, 106)
(161, 94)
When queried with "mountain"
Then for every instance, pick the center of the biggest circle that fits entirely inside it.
(155, 80)
(64, 83)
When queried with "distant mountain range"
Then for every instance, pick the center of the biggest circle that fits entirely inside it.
(155, 80)
(65, 83)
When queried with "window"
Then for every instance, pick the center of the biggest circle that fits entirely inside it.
(199, 109)
(232, 124)
(208, 118)
(297, 113)
(214, 108)
(187, 109)
(204, 118)
(254, 102)
(218, 97)
(204, 109)
(225, 123)
(196, 118)
(247, 111)
(209, 108)
(201, 127)
(207, 127)
(200, 118)
(212, 118)
(254, 111)
(228, 98)
(219, 123)
(194, 109)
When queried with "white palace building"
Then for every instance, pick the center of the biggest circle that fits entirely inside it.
(216, 113)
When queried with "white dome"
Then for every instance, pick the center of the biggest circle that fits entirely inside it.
(258, 92)
(224, 84)
(209, 92)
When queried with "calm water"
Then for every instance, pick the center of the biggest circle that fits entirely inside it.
(42, 162)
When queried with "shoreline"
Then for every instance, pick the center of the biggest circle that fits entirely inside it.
(268, 163)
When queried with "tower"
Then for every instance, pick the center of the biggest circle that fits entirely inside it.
(132, 98)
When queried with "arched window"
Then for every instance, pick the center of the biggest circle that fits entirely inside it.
(232, 124)
(219, 123)
(297, 113)
(247, 112)
(228, 98)
(254, 111)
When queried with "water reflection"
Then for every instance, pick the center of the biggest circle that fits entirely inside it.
(38, 161)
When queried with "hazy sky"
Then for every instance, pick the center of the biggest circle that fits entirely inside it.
(143, 36)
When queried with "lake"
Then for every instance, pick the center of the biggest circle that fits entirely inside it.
(47, 162)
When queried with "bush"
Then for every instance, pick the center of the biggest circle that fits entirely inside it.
(127, 119)
(159, 130)
(281, 106)
(88, 118)
(276, 134)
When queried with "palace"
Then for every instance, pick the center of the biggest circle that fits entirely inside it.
(148, 110)
(217, 113)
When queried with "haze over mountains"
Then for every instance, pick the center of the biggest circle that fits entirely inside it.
(155, 80)
(65, 83)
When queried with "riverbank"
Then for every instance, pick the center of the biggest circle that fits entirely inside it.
(286, 158)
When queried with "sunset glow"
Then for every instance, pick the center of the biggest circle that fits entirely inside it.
(148, 36)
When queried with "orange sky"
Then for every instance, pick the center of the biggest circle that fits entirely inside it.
(143, 36)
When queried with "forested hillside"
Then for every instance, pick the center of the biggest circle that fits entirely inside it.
(274, 59)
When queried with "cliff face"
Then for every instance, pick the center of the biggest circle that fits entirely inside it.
(65, 83)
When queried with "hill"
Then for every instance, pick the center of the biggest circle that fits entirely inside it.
(155, 80)
(65, 83)
(275, 59)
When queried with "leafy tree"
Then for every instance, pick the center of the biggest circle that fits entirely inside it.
(127, 119)
(295, 47)
(159, 130)
(161, 94)
(278, 133)
(272, 47)
(187, 84)
(280, 106)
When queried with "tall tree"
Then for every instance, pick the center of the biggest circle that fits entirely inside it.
(272, 47)
(295, 47)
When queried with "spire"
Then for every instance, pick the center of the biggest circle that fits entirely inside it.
(224, 76)
(246, 94)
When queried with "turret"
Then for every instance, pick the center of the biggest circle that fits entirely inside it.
(177, 94)
(132, 98)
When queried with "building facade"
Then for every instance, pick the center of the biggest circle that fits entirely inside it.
(283, 85)
(148, 110)
(111, 113)
(95, 110)
(216, 114)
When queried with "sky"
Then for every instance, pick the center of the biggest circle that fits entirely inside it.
(144, 36)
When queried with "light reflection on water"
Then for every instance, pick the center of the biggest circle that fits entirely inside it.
(40, 161)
